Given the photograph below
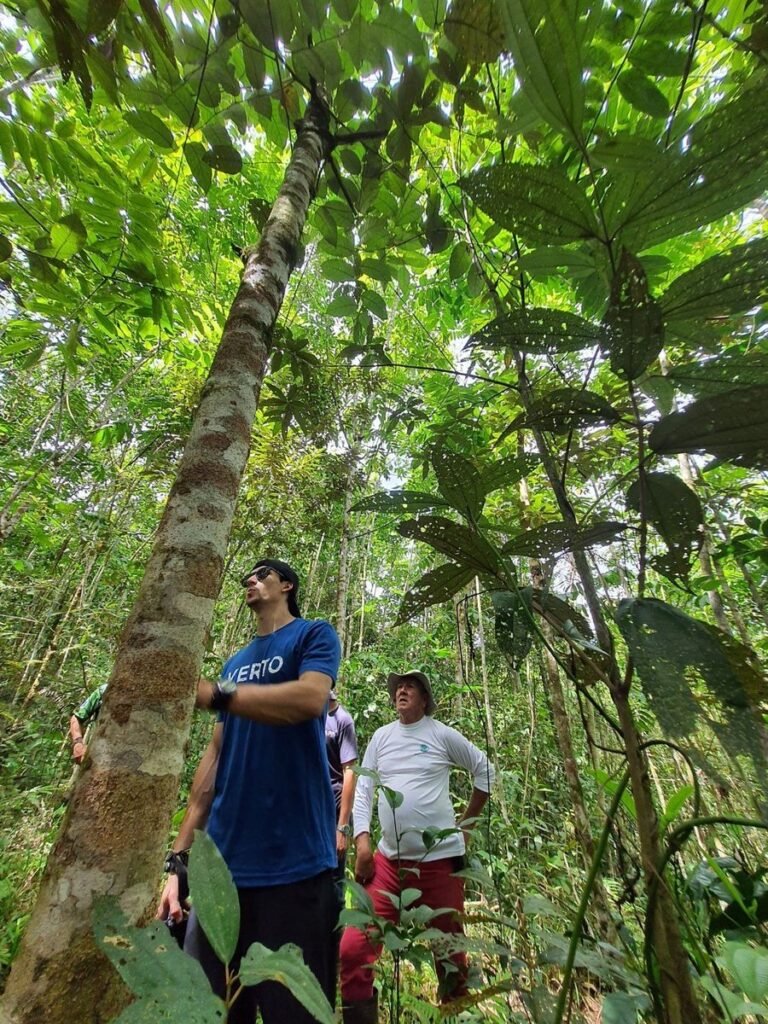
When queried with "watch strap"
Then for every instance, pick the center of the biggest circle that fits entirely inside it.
(221, 697)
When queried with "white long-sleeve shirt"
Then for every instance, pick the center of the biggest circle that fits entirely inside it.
(415, 761)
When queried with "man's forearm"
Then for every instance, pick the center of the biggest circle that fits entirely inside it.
(200, 798)
(274, 703)
(474, 808)
(347, 795)
(75, 729)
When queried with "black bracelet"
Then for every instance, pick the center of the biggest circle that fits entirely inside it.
(176, 863)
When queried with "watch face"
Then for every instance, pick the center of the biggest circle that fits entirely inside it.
(227, 686)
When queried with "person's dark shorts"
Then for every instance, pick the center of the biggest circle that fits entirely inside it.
(304, 913)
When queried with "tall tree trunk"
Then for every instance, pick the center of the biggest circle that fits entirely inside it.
(494, 750)
(342, 586)
(679, 1001)
(364, 590)
(112, 837)
(564, 738)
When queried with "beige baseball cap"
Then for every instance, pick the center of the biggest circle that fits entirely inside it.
(394, 679)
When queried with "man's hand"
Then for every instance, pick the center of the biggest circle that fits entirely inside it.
(363, 859)
(341, 844)
(78, 751)
(169, 906)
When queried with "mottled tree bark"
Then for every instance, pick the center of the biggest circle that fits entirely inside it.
(112, 839)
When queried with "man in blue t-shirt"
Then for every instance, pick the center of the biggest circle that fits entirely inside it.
(263, 793)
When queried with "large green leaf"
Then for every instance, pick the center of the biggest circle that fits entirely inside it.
(194, 153)
(434, 587)
(397, 502)
(474, 28)
(633, 321)
(539, 203)
(566, 409)
(170, 986)
(215, 896)
(721, 286)
(513, 623)
(640, 91)
(554, 538)
(719, 166)
(544, 40)
(458, 542)
(224, 158)
(68, 236)
(657, 58)
(734, 367)
(676, 512)
(286, 966)
(686, 666)
(150, 127)
(539, 331)
(459, 482)
(748, 966)
(732, 426)
(508, 471)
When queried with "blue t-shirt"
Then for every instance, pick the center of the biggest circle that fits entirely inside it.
(273, 815)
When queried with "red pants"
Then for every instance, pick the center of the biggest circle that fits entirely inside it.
(439, 888)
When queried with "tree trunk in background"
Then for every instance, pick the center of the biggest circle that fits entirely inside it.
(494, 750)
(364, 590)
(342, 585)
(707, 564)
(581, 824)
(679, 1001)
(112, 838)
(564, 738)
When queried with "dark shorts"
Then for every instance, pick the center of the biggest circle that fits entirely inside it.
(304, 913)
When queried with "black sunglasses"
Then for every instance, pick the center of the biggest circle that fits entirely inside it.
(261, 574)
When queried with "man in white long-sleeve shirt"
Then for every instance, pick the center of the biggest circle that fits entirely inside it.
(413, 756)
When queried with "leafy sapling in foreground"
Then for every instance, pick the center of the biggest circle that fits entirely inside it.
(169, 985)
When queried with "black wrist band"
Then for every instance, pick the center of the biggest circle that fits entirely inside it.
(176, 863)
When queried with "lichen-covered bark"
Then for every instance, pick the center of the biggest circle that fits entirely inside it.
(112, 839)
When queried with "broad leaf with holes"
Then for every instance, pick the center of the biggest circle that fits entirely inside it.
(459, 482)
(434, 587)
(566, 409)
(286, 966)
(694, 675)
(513, 623)
(458, 542)
(539, 331)
(507, 472)
(539, 203)
(633, 320)
(398, 502)
(733, 367)
(721, 167)
(676, 513)
(555, 538)
(722, 286)
(732, 426)
(169, 985)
